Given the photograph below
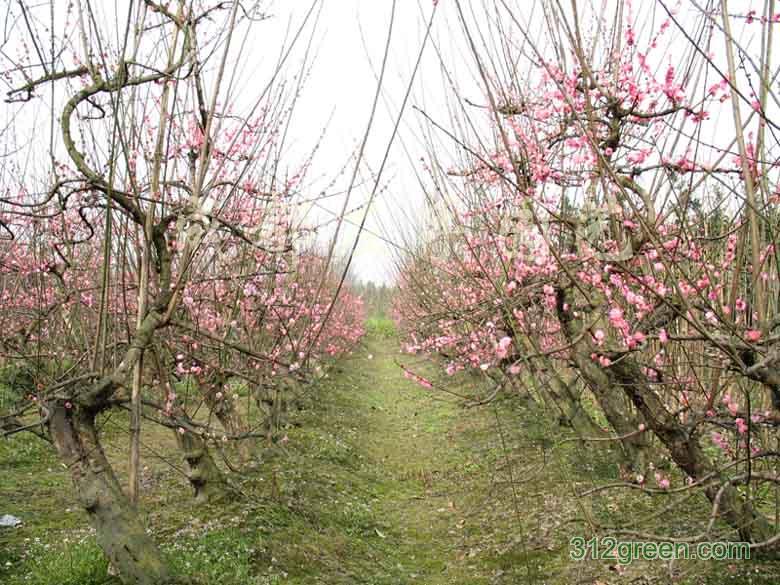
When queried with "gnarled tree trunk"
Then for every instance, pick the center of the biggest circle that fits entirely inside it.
(119, 530)
(273, 400)
(204, 475)
(613, 404)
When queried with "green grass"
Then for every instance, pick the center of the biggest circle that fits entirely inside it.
(379, 326)
(77, 562)
(219, 557)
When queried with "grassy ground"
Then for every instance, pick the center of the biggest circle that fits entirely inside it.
(380, 482)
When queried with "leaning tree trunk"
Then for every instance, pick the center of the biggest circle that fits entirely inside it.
(119, 530)
(683, 442)
(684, 447)
(568, 400)
(616, 410)
(205, 477)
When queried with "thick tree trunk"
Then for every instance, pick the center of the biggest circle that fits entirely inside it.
(568, 401)
(272, 400)
(681, 442)
(616, 410)
(119, 530)
(563, 396)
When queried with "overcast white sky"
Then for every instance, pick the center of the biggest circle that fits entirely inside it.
(351, 41)
(350, 45)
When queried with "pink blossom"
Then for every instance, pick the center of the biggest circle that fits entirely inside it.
(719, 441)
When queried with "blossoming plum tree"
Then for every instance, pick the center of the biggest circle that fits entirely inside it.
(615, 239)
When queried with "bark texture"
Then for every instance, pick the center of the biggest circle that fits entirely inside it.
(118, 526)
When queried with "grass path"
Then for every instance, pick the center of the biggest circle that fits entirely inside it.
(456, 501)
(441, 478)
(379, 482)
(405, 434)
